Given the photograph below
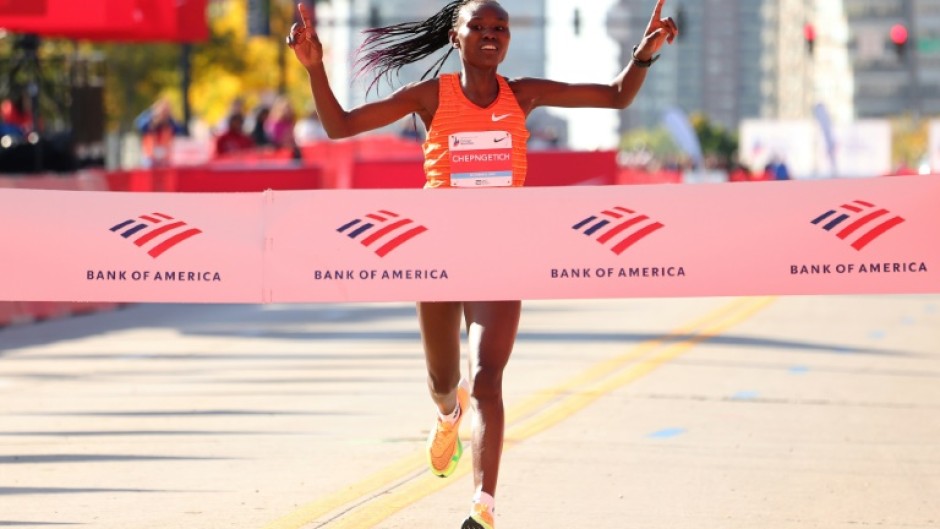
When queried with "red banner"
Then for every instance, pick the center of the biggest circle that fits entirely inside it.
(108, 20)
(19, 7)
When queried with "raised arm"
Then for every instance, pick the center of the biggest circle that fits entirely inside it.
(533, 93)
(338, 122)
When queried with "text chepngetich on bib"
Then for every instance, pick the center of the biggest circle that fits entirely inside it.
(481, 159)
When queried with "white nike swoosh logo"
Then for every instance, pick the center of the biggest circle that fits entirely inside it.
(500, 118)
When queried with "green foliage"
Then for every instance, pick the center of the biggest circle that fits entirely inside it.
(48, 69)
(910, 142)
(136, 76)
(716, 141)
(656, 142)
(229, 65)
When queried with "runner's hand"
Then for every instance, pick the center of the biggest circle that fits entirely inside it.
(304, 41)
(659, 31)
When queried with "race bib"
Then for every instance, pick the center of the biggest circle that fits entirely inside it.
(481, 159)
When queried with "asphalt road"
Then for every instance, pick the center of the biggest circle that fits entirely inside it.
(818, 412)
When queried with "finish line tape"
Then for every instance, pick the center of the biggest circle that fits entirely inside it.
(876, 236)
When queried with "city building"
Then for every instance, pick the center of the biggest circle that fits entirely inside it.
(737, 60)
(895, 52)
(717, 66)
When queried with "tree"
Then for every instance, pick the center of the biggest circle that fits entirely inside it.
(230, 65)
(910, 142)
(28, 62)
(716, 141)
(655, 143)
(137, 75)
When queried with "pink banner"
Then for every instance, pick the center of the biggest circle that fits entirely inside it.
(108, 246)
(873, 236)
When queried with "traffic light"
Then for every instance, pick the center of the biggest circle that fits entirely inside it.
(809, 35)
(900, 38)
(577, 21)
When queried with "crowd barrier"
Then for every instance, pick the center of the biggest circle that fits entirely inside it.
(376, 163)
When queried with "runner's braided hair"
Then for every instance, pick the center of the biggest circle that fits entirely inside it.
(388, 49)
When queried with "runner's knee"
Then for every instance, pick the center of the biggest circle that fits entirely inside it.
(442, 384)
(487, 384)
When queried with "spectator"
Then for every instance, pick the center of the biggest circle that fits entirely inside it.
(777, 169)
(14, 113)
(258, 134)
(233, 139)
(280, 124)
(739, 173)
(10, 130)
(903, 169)
(157, 128)
(309, 129)
(237, 106)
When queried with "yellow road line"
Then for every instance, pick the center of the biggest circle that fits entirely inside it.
(370, 485)
(405, 482)
(604, 368)
(580, 399)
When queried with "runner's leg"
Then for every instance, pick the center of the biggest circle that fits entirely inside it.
(492, 327)
(440, 336)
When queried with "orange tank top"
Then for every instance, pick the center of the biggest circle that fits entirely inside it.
(470, 146)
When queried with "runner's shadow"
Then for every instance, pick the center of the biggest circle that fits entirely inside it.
(726, 340)
(222, 320)
(33, 459)
(14, 523)
(29, 491)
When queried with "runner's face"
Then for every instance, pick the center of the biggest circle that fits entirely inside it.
(482, 33)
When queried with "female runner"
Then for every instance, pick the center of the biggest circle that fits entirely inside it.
(460, 111)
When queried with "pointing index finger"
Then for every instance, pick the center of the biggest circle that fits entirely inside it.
(658, 11)
(304, 14)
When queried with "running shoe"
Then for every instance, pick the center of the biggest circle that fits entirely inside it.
(480, 518)
(444, 446)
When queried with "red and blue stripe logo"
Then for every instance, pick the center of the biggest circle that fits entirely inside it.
(618, 228)
(382, 231)
(157, 232)
(858, 222)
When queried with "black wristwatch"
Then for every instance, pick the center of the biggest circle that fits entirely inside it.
(643, 64)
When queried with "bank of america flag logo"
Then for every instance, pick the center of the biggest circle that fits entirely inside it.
(618, 228)
(155, 232)
(858, 222)
(382, 231)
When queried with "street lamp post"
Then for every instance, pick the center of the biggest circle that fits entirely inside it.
(186, 71)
